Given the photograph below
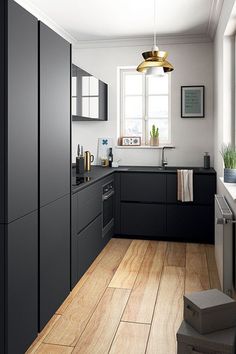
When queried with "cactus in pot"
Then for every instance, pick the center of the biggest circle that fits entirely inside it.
(154, 136)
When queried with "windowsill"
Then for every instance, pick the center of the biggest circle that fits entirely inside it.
(230, 187)
(143, 147)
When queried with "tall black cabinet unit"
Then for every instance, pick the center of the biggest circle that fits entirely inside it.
(18, 178)
(55, 167)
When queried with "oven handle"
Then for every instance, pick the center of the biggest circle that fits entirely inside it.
(108, 195)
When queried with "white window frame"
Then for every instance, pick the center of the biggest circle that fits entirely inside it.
(121, 71)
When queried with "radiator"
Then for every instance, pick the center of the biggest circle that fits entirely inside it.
(224, 243)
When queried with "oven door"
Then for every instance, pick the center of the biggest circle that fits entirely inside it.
(108, 211)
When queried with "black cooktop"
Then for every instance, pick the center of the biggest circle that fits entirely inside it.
(76, 181)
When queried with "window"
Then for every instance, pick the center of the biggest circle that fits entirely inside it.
(144, 101)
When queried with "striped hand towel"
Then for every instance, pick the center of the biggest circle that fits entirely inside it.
(185, 185)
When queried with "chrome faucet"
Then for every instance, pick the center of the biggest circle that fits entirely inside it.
(164, 162)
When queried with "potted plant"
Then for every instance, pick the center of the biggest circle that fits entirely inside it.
(229, 156)
(154, 133)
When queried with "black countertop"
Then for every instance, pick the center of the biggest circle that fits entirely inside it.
(98, 172)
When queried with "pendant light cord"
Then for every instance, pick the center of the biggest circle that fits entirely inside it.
(155, 23)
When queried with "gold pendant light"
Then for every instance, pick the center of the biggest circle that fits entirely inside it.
(155, 60)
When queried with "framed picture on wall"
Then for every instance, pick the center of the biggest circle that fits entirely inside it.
(192, 101)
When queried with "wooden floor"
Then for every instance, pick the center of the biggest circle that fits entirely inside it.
(130, 300)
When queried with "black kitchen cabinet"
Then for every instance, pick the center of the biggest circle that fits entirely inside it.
(87, 236)
(21, 308)
(140, 219)
(18, 178)
(143, 187)
(191, 222)
(89, 205)
(54, 259)
(88, 245)
(2, 288)
(89, 96)
(55, 118)
(147, 206)
(19, 143)
(204, 187)
(74, 231)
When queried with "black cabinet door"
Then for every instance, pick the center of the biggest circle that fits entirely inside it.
(74, 228)
(194, 223)
(54, 257)
(89, 245)
(103, 100)
(3, 105)
(55, 71)
(204, 188)
(2, 288)
(22, 283)
(89, 205)
(143, 187)
(139, 219)
(22, 125)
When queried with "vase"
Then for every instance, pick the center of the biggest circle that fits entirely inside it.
(154, 141)
(230, 175)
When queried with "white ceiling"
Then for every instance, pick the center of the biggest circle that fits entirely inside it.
(89, 20)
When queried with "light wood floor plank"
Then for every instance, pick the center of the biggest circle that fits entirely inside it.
(131, 338)
(168, 312)
(113, 243)
(53, 349)
(99, 333)
(42, 335)
(197, 278)
(127, 271)
(73, 321)
(141, 303)
(212, 268)
(176, 254)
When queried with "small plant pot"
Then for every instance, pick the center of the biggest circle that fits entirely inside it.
(154, 141)
(230, 175)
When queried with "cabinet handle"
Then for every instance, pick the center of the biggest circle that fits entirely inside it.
(107, 196)
(194, 351)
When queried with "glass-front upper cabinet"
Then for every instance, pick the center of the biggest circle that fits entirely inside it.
(89, 96)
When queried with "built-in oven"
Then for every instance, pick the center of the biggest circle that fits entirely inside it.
(108, 207)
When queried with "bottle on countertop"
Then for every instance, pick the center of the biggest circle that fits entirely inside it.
(80, 160)
(207, 160)
(110, 157)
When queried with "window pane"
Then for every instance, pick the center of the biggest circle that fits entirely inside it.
(162, 124)
(93, 86)
(93, 106)
(74, 106)
(85, 85)
(85, 106)
(133, 84)
(133, 107)
(157, 85)
(157, 106)
(133, 127)
(74, 86)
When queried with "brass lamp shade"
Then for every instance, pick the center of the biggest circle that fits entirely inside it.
(155, 58)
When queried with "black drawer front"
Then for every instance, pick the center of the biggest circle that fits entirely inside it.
(89, 244)
(143, 187)
(194, 222)
(89, 205)
(204, 188)
(143, 219)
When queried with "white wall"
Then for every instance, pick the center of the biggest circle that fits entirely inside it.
(193, 65)
(223, 100)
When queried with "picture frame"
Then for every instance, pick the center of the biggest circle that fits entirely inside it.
(193, 101)
(131, 141)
